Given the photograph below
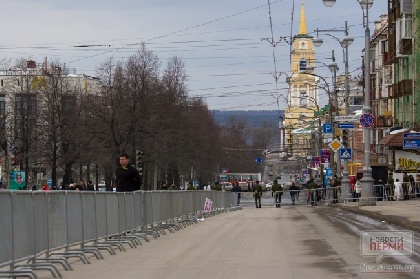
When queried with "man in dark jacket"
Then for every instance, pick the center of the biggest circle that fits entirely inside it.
(127, 177)
(237, 189)
(293, 192)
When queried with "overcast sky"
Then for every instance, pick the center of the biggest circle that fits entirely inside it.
(219, 40)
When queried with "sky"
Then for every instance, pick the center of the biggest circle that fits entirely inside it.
(221, 42)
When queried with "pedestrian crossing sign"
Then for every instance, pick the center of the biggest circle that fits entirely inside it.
(345, 153)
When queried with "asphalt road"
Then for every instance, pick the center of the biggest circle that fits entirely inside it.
(291, 242)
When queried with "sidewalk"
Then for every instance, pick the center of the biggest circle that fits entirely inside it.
(405, 214)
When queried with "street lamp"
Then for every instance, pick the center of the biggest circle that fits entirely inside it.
(332, 95)
(319, 132)
(367, 197)
(345, 43)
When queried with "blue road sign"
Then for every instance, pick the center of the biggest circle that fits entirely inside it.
(328, 172)
(258, 160)
(327, 128)
(367, 120)
(345, 125)
(412, 135)
(345, 153)
(411, 143)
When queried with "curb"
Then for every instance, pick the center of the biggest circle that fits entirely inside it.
(392, 219)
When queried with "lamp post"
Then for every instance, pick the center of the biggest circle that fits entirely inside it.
(367, 197)
(345, 43)
(319, 131)
(334, 68)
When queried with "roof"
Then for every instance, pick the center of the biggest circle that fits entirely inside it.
(396, 140)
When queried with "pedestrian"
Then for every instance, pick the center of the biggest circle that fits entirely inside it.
(257, 194)
(312, 192)
(405, 186)
(45, 187)
(278, 192)
(293, 192)
(90, 186)
(127, 177)
(358, 189)
(411, 184)
(389, 186)
(81, 186)
(237, 190)
(336, 186)
(398, 189)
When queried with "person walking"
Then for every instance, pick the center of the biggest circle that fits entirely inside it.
(312, 192)
(336, 186)
(277, 191)
(389, 186)
(236, 189)
(257, 194)
(127, 177)
(358, 189)
(398, 189)
(293, 192)
(405, 186)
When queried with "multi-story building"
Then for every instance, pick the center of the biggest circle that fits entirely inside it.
(24, 104)
(302, 102)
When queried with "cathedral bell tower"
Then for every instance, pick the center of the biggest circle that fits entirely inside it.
(302, 102)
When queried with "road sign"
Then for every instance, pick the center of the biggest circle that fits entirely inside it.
(412, 135)
(347, 118)
(258, 160)
(335, 145)
(411, 141)
(327, 128)
(345, 153)
(328, 172)
(367, 120)
(346, 125)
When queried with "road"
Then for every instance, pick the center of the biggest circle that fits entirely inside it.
(291, 242)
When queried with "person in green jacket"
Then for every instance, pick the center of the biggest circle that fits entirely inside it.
(277, 191)
(257, 194)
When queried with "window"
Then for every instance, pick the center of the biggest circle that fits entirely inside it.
(404, 26)
(303, 99)
(302, 64)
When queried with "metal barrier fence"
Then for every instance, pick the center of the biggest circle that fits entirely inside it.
(39, 229)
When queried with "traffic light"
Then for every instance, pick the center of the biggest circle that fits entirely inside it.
(139, 161)
(345, 138)
(12, 159)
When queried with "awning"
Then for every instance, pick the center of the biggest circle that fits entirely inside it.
(395, 140)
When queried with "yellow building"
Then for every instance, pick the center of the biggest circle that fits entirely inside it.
(302, 103)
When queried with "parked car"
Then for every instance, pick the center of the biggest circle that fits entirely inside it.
(227, 186)
(268, 186)
(101, 186)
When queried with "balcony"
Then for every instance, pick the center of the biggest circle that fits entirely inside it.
(406, 46)
(384, 121)
(405, 87)
(391, 92)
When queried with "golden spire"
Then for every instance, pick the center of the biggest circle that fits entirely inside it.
(302, 27)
